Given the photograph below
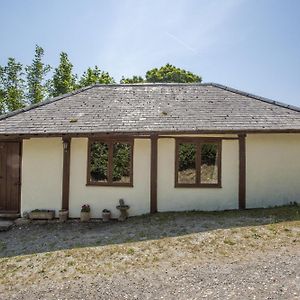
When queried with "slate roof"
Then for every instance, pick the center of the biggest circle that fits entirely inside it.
(145, 108)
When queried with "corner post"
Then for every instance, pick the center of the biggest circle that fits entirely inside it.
(153, 175)
(242, 171)
(66, 172)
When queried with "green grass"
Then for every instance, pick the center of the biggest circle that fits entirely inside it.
(280, 213)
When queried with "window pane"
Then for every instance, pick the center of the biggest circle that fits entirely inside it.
(99, 162)
(121, 162)
(187, 163)
(209, 167)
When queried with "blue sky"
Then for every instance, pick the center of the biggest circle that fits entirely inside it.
(252, 45)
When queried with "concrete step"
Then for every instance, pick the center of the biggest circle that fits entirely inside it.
(9, 216)
(5, 225)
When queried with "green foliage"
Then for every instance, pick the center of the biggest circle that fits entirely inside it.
(11, 86)
(37, 86)
(121, 161)
(169, 73)
(209, 154)
(187, 156)
(99, 159)
(133, 79)
(2, 92)
(93, 76)
(64, 81)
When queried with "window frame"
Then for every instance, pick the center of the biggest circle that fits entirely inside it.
(110, 142)
(198, 141)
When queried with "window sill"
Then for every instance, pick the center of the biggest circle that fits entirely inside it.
(210, 186)
(110, 185)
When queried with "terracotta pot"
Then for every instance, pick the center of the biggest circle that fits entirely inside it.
(85, 216)
(63, 215)
(106, 216)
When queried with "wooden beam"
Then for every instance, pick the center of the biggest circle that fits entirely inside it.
(66, 172)
(153, 180)
(242, 171)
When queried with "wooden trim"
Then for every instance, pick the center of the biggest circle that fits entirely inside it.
(20, 175)
(197, 137)
(198, 141)
(66, 173)
(110, 142)
(242, 171)
(153, 175)
(143, 134)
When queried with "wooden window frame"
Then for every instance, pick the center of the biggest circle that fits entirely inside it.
(198, 142)
(110, 142)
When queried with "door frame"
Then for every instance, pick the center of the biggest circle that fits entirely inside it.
(20, 142)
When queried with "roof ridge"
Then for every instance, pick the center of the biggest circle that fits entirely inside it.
(44, 102)
(152, 84)
(263, 99)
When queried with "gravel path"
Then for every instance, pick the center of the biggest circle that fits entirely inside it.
(275, 275)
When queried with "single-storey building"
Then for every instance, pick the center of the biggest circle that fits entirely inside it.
(160, 147)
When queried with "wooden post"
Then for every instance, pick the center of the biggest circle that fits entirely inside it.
(66, 173)
(242, 171)
(153, 183)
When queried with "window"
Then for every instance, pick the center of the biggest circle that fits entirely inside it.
(198, 163)
(110, 162)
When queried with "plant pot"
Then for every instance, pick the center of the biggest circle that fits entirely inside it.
(63, 215)
(42, 214)
(85, 216)
(106, 216)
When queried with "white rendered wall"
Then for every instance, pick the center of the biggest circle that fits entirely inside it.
(272, 177)
(180, 199)
(100, 197)
(41, 174)
(273, 169)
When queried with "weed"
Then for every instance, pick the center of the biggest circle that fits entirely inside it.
(229, 242)
(130, 251)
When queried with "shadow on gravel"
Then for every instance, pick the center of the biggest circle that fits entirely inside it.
(52, 236)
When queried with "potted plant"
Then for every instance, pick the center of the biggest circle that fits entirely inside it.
(63, 215)
(85, 214)
(106, 215)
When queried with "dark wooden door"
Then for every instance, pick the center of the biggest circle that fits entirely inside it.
(10, 158)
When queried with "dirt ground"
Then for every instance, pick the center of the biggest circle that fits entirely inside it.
(253, 254)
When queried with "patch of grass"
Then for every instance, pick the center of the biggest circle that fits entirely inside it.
(130, 251)
(229, 242)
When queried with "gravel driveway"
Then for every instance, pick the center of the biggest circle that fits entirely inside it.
(230, 255)
(272, 276)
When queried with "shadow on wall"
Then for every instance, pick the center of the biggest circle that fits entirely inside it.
(52, 236)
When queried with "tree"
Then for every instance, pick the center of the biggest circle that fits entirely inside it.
(63, 81)
(169, 73)
(133, 79)
(36, 73)
(2, 92)
(93, 76)
(11, 86)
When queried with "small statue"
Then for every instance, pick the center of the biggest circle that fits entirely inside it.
(123, 210)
